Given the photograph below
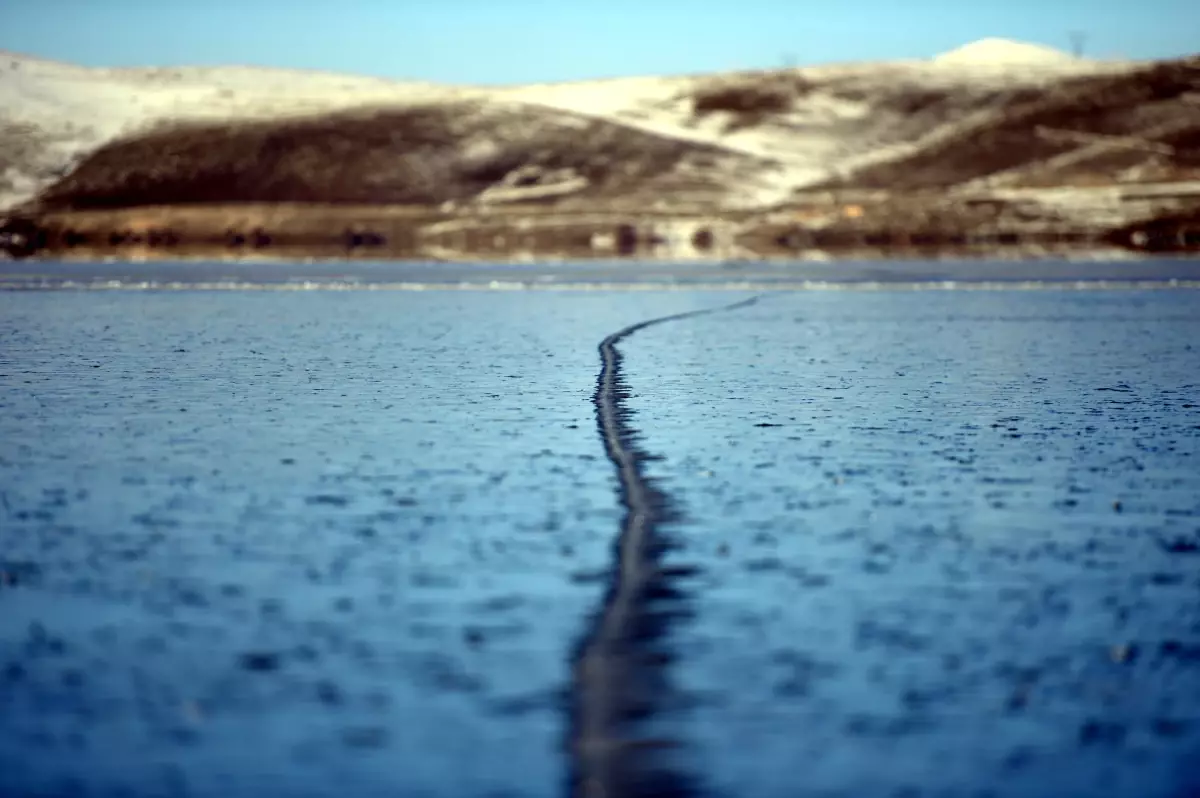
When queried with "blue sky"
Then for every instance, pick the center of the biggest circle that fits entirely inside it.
(513, 41)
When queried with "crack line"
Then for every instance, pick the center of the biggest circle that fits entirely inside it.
(619, 673)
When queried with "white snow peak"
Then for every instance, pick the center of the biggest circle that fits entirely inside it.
(1005, 52)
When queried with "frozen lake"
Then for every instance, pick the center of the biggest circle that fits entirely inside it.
(355, 543)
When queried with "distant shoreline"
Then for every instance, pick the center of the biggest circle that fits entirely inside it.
(864, 225)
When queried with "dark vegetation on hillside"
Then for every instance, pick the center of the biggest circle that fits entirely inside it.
(422, 155)
(751, 98)
(1117, 105)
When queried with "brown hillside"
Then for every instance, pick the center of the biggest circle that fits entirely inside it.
(1154, 105)
(413, 156)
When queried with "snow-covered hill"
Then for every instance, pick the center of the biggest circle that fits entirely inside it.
(52, 114)
(1006, 53)
(792, 128)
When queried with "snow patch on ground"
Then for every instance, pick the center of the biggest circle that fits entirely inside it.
(810, 143)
